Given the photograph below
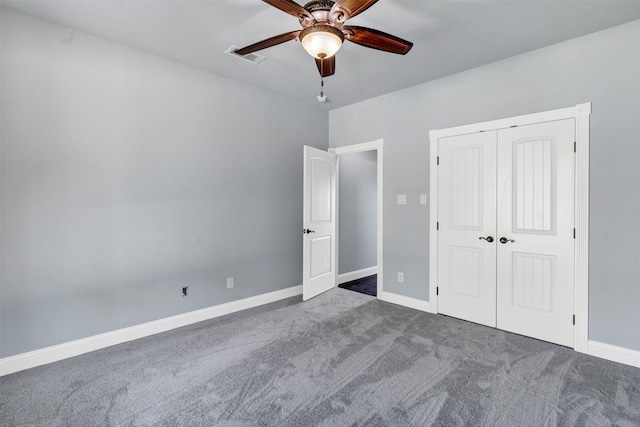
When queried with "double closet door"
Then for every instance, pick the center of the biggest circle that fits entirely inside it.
(506, 229)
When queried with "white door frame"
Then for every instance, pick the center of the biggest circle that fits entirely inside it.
(581, 113)
(358, 148)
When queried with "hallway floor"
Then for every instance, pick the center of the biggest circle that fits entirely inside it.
(366, 285)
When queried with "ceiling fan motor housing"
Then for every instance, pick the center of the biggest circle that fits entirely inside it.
(319, 5)
(320, 10)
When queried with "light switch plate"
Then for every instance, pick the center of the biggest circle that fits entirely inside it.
(402, 199)
(423, 199)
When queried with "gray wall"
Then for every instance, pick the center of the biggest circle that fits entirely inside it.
(126, 176)
(357, 216)
(603, 68)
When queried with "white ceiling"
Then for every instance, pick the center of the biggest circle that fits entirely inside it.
(448, 35)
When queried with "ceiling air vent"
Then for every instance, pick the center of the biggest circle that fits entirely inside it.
(251, 57)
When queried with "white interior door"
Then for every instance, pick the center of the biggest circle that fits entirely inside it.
(506, 229)
(535, 276)
(319, 222)
(467, 224)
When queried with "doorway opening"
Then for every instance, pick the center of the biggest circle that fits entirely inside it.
(359, 257)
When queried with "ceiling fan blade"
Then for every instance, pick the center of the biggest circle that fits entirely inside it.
(350, 8)
(327, 66)
(375, 39)
(290, 7)
(268, 42)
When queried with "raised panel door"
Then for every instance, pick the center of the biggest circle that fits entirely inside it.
(319, 222)
(535, 268)
(467, 221)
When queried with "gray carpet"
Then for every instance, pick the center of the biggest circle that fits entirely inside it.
(341, 359)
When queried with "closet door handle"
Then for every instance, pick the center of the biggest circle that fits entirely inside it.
(488, 238)
(504, 240)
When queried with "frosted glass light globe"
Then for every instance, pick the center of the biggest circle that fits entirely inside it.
(321, 41)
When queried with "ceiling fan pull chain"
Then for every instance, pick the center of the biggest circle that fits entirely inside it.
(321, 97)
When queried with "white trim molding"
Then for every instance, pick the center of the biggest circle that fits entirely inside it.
(527, 119)
(581, 221)
(581, 113)
(614, 353)
(357, 274)
(20, 362)
(404, 301)
(357, 148)
(433, 220)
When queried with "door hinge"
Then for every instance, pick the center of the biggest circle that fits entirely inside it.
(574, 320)
(437, 290)
(575, 146)
(438, 161)
(574, 233)
(437, 225)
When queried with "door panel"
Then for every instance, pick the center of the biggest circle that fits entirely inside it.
(535, 274)
(465, 268)
(319, 222)
(532, 281)
(320, 256)
(534, 182)
(467, 212)
(320, 186)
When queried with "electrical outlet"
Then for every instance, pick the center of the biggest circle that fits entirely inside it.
(229, 282)
(402, 199)
(423, 199)
(185, 291)
(400, 277)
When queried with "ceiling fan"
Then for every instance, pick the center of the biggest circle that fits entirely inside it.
(323, 31)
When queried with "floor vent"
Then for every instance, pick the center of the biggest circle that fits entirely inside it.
(251, 57)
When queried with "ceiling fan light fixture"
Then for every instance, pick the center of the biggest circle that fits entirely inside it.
(321, 41)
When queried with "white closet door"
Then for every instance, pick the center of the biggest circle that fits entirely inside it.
(467, 223)
(535, 248)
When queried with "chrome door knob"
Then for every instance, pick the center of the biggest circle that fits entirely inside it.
(504, 240)
(488, 238)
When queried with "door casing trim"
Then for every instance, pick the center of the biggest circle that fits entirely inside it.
(581, 113)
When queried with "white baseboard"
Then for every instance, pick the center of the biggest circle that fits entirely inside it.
(614, 353)
(405, 301)
(594, 348)
(358, 274)
(20, 362)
